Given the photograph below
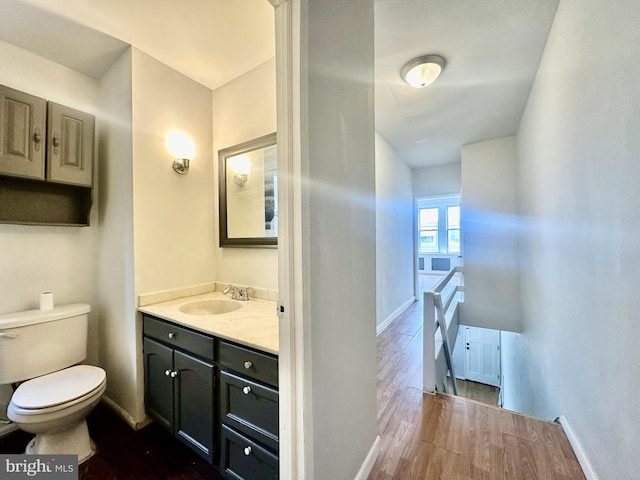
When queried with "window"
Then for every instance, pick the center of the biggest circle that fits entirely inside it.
(429, 230)
(453, 229)
(439, 225)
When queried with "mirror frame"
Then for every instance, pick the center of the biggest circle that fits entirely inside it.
(249, 146)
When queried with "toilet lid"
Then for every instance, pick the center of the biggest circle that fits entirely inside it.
(58, 387)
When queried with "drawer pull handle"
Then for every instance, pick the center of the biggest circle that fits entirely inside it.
(167, 372)
(248, 364)
(172, 335)
(174, 374)
(247, 451)
(246, 390)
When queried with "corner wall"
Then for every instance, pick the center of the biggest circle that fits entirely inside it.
(117, 305)
(395, 264)
(578, 147)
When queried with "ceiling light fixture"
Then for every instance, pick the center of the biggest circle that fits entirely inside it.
(422, 71)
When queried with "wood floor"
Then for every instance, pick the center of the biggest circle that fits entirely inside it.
(441, 437)
(475, 391)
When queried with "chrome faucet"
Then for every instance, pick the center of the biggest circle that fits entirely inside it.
(238, 293)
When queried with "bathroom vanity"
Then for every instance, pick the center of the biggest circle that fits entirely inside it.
(212, 380)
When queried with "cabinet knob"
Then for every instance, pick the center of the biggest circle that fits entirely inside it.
(248, 364)
(56, 143)
(172, 335)
(174, 374)
(167, 372)
(247, 450)
(246, 390)
(37, 138)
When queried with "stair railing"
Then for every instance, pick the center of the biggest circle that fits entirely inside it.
(440, 313)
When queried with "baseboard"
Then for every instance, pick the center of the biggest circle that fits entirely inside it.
(124, 415)
(581, 455)
(381, 328)
(369, 461)
(7, 428)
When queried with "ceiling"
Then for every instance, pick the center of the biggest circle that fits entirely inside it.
(492, 49)
(211, 41)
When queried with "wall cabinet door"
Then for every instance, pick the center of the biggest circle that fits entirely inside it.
(194, 401)
(70, 145)
(22, 134)
(158, 385)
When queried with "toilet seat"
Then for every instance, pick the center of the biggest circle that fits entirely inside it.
(58, 390)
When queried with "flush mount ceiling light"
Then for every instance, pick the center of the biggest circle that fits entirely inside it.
(422, 71)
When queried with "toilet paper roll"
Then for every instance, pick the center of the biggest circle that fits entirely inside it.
(46, 301)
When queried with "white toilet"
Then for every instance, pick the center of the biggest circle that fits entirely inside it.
(43, 348)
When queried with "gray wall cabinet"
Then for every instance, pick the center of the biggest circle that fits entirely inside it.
(46, 161)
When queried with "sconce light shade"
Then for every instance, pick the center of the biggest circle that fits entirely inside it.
(181, 147)
(422, 71)
(242, 166)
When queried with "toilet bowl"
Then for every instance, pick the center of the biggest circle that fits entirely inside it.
(55, 407)
(41, 350)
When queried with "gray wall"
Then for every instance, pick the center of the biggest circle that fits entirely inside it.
(395, 268)
(579, 151)
(339, 234)
(489, 224)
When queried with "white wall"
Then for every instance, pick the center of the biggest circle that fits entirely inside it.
(117, 306)
(36, 259)
(244, 109)
(489, 225)
(173, 214)
(578, 146)
(395, 269)
(437, 180)
(338, 228)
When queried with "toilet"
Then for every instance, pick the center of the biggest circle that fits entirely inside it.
(42, 349)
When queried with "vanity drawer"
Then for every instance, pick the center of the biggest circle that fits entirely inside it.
(250, 407)
(180, 337)
(250, 363)
(243, 459)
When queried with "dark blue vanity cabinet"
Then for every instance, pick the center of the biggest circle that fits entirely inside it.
(216, 396)
(180, 383)
(249, 413)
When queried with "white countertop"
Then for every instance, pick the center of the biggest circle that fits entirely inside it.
(254, 324)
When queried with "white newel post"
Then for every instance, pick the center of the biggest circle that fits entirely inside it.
(429, 346)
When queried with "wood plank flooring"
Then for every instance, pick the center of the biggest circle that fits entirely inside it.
(442, 437)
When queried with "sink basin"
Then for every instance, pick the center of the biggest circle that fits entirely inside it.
(210, 307)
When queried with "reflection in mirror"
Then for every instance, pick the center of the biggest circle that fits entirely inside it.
(248, 192)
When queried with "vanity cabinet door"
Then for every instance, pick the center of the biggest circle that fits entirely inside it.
(194, 403)
(158, 384)
(70, 146)
(22, 134)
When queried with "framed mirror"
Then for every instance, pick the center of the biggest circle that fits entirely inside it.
(248, 186)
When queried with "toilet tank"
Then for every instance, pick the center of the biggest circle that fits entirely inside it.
(37, 342)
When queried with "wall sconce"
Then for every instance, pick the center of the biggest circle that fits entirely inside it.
(181, 147)
(422, 71)
(242, 166)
